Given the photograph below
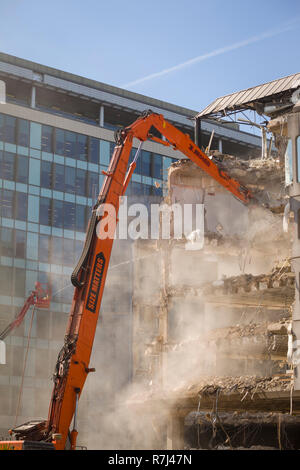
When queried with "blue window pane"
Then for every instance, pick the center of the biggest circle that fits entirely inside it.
(94, 150)
(82, 147)
(80, 182)
(33, 210)
(68, 252)
(93, 185)
(58, 214)
(157, 166)
(69, 215)
(111, 149)
(56, 284)
(129, 189)
(45, 211)
(32, 246)
(47, 139)
(10, 129)
(6, 280)
(68, 292)
(167, 162)
(80, 218)
(35, 135)
(7, 203)
(70, 144)
(78, 249)
(136, 188)
(146, 163)
(2, 126)
(34, 172)
(21, 206)
(57, 250)
(8, 166)
(20, 249)
(46, 174)
(70, 179)
(104, 152)
(6, 242)
(23, 132)
(59, 141)
(59, 177)
(44, 277)
(146, 190)
(44, 248)
(22, 169)
(19, 282)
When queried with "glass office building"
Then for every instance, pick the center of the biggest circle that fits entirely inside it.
(56, 138)
(50, 179)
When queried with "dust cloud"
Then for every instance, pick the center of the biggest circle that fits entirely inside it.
(177, 332)
(156, 332)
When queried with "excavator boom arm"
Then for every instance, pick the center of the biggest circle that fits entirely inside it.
(182, 142)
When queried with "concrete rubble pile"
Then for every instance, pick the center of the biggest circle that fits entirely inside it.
(265, 178)
(241, 385)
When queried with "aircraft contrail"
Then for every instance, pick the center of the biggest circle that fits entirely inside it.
(216, 52)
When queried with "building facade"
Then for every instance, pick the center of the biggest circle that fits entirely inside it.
(56, 138)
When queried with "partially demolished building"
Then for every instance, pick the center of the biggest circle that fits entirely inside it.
(212, 336)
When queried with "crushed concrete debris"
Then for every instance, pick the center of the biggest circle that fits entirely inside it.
(281, 281)
(279, 277)
(265, 178)
(245, 384)
(237, 331)
(257, 172)
(252, 329)
(260, 342)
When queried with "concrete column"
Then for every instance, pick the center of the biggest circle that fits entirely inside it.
(101, 116)
(2, 92)
(264, 144)
(2, 352)
(33, 96)
(220, 145)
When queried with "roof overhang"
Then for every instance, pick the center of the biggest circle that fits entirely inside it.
(272, 99)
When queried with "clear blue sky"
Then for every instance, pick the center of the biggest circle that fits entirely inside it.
(119, 42)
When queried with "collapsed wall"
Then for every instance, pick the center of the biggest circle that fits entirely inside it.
(214, 324)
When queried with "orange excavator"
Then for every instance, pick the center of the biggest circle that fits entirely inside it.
(89, 276)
